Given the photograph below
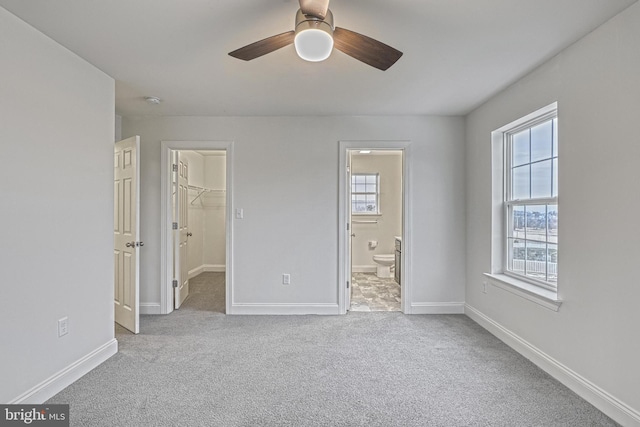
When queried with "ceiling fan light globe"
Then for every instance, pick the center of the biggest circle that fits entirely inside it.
(313, 45)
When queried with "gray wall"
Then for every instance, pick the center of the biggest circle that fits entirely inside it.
(596, 332)
(286, 180)
(56, 182)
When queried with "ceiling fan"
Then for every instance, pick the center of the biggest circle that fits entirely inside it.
(315, 36)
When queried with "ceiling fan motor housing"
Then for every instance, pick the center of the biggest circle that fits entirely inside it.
(305, 22)
(314, 36)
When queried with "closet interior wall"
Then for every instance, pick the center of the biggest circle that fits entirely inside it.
(206, 250)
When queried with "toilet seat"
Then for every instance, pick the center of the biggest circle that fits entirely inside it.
(385, 258)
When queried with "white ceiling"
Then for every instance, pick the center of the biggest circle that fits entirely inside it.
(457, 53)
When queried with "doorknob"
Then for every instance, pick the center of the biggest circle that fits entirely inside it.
(140, 244)
(353, 234)
(189, 234)
(130, 244)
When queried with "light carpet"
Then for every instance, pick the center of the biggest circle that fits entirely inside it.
(197, 367)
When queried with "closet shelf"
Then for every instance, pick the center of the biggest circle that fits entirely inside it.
(203, 190)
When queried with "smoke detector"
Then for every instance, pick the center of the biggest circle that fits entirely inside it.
(153, 100)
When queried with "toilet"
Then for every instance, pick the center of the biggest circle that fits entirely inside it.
(384, 263)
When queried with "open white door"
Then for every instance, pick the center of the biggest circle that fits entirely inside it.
(181, 273)
(126, 233)
(350, 234)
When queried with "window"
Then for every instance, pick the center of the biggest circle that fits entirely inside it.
(531, 200)
(365, 189)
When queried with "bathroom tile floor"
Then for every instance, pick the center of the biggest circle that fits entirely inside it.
(370, 293)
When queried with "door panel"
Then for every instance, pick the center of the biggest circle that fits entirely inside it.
(182, 210)
(126, 233)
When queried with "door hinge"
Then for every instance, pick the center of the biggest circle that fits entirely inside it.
(347, 226)
(174, 168)
(347, 284)
(175, 283)
(174, 225)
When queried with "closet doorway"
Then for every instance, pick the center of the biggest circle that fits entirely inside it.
(196, 226)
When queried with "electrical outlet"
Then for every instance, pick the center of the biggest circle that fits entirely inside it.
(484, 287)
(63, 326)
(286, 279)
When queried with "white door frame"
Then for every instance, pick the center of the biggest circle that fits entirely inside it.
(166, 257)
(344, 204)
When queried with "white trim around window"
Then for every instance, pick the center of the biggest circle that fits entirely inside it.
(510, 207)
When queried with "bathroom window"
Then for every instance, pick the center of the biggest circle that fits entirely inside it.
(365, 192)
(531, 200)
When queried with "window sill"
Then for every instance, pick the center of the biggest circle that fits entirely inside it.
(543, 297)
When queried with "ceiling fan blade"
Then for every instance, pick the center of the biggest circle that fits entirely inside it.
(365, 49)
(317, 8)
(262, 47)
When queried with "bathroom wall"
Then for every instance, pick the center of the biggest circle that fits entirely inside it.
(389, 166)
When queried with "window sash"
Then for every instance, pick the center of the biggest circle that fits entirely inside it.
(375, 194)
(509, 205)
(528, 264)
(508, 152)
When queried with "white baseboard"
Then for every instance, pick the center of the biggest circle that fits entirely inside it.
(193, 273)
(284, 309)
(363, 269)
(150, 308)
(216, 268)
(437, 308)
(601, 399)
(67, 376)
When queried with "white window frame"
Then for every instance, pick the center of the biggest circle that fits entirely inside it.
(377, 193)
(510, 203)
(529, 288)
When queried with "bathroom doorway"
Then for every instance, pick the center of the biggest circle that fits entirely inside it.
(376, 229)
(373, 205)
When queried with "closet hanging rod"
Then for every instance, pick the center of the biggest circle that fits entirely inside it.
(208, 190)
(201, 191)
